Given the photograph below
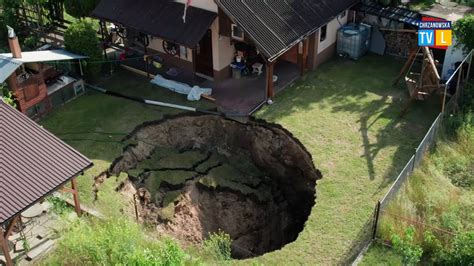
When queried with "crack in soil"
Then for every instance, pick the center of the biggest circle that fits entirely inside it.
(254, 181)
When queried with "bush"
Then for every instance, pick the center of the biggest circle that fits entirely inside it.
(464, 31)
(80, 37)
(113, 242)
(219, 245)
(7, 96)
(406, 246)
(80, 8)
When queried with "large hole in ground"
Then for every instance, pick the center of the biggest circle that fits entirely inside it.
(196, 174)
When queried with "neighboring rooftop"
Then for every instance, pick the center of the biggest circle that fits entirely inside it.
(33, 162)
(160, 18)
(276, 26)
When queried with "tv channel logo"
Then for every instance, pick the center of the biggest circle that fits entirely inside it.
(435, 33)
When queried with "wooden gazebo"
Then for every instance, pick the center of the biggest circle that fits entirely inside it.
(33, 164)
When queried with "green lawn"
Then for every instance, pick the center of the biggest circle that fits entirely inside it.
(346, 113)
(79, 122)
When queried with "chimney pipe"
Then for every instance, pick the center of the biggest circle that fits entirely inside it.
(13, 43)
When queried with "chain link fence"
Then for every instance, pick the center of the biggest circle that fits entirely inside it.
(453, 92)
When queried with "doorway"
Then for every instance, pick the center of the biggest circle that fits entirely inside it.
(204, 64)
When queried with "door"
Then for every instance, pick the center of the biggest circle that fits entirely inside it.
(204, 55)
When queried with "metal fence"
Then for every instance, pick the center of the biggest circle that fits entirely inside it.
(456, 83)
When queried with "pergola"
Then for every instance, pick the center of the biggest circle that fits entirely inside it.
(33, 164)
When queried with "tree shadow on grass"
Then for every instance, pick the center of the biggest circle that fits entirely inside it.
(362, 89)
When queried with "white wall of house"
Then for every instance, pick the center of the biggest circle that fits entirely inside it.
(157, 45)
(209, 5)
(455, 53)
(222, 49)
(331, 32)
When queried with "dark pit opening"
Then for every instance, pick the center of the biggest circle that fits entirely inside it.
(196, 174)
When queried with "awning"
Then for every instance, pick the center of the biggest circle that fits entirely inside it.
(276, 26)
(44, 56)
(160, 18)
(7, 67)
(399, 14)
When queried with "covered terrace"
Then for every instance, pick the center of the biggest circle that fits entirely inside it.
(34, 164)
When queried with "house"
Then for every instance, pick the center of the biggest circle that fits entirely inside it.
(284, 36)
(38, 87)
(34, 163)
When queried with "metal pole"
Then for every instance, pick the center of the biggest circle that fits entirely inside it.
(135, 205)
(444, 97)
(376, 221)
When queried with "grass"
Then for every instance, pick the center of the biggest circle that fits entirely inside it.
(346, 113)
(80, 121)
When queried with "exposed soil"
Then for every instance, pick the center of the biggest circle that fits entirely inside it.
(196, 174)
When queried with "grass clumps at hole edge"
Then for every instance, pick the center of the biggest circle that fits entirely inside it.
(218, 245)
(113, 242)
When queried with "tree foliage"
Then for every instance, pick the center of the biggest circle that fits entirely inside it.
(80, 8)
(80, 37)
(464, 31)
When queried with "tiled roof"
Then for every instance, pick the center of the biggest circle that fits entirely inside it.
(277, 25)
(160, 18)
(33, 162)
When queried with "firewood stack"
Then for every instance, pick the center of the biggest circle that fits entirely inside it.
(400, 43)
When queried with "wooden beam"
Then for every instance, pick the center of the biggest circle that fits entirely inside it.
(304, 57)
(270, 84)
(11, 225)
(77, 204)
(5, 249)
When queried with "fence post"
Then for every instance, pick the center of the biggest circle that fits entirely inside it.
(443, 106)
(376, 219)
(469, 66)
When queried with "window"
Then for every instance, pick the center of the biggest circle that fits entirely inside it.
(237, 33)
(322, 33)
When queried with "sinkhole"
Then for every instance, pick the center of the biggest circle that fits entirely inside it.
(195, 174)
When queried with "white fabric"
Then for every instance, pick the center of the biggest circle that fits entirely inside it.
(193, 93)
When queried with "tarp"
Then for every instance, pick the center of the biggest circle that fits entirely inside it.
(193, 93)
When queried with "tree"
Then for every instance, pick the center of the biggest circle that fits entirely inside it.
(80, 37)
(464, 31)
(80, 8)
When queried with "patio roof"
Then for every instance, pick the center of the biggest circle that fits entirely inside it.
(7, 67)
(44, 56)
(33, 163)
(399, 14)
(160, 18)
(276, 26)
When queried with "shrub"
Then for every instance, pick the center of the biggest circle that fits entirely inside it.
(7, 96)
(405, 245)
(80, 8)
(80, 37)
(461, 253)
(219, 245)
(113, 242)
(464, 31)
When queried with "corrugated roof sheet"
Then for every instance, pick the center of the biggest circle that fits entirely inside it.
(44, 56)
(160, 18)
(391, 12)
(7, 67)
(277, 25)
(33, 162)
